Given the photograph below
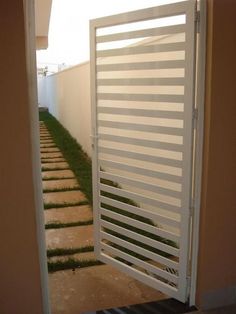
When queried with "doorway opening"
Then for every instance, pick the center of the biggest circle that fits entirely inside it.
(143, 109)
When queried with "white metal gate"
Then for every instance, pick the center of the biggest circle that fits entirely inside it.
(142, 82)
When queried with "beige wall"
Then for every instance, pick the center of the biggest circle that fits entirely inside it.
(67, 95)
(20, 282)
(216, 284)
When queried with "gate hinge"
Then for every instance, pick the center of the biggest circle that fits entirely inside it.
(197, 21)
(188, 286)
(195, 117)
(192, 206)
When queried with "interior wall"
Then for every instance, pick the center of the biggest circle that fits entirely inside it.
(20, 284)
(216, 282)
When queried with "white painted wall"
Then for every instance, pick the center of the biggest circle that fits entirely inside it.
(67, 96)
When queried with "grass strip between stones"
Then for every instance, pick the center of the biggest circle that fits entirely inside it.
(54, 169)
(71, 263)
(61, 189)
(59, 225)
(78, 160)
(69, 251)
(50, 157)
(56, 205)
(57, 178)
(45, 161)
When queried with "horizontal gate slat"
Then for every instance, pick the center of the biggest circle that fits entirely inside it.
(140, 198)
(142, 171)
(172, 81)
(142, 112)
(140, 211)
(140, 238)
(165, 30)
(141, 50)
(142, 97)
(148, 267)
(171, 64)
(139, 184)
(144, 157)
(141, 142)
(141, 127)
(139, 250)
(135, 223)
(137, 274)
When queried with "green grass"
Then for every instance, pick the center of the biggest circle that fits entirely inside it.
(71, 263)
(45, 161)
(78, 160)
(57, 178)
(80, 164)
(59, 225)
(54, 169)
(56, 205)
(50, 157)
(70, 251)
(61, 190)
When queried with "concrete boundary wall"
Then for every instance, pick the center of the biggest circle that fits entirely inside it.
(67, 96)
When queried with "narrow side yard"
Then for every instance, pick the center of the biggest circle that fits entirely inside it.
(78, 282)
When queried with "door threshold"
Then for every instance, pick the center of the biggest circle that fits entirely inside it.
(167, 306)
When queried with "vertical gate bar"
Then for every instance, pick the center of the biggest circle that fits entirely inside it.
(96, 215)
(189, 95)
(200, 99)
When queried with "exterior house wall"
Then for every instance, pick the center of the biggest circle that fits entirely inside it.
(216, 279)
(20, 271)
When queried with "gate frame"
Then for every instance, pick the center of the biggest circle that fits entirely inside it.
(200, 20)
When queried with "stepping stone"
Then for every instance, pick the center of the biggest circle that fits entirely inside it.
(60, 184)
(62, 165)
(71, 237)
(55, 155)
(68, 214)
(48, 145)
(69, 197)
(52, 160)
(78, 256)
(58, 174)
(95, 288)
(46, 142)
(50, 150)
(44, 132)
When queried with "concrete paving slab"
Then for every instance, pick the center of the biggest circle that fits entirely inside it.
(45, 138)
(45, 135)
(71, 237)
(50, 150)
(80, 257)
(63, 197)
(58, 165)
(45, 145)
(44, 132)
(60, 184)
(52, 160)
(55, 155)
(68, 214)
(57, 174)
(46, 141)
(96, 288)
